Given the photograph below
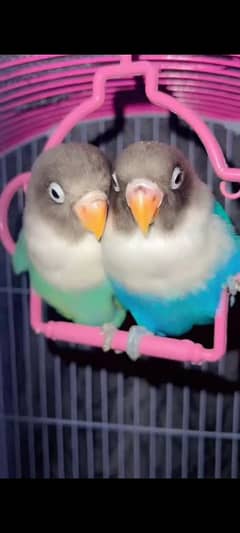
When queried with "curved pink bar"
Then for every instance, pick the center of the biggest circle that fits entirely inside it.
(130, 69)
(223, 71)
(46, 66)
(25, 60)
(19, 182)
(171, 69)
(176, 350)
(213, 60)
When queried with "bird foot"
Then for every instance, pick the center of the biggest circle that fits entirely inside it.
(233, 286)
(108, 333)
(134, 337)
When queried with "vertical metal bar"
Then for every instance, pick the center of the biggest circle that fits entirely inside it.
(12, 347)
(235, 429)
(185, 426)
(104, 417)
(153, 422)
(89, 417)
(83, 133)
(229, 152)
(219, 422)
(202, 426)
(209, 168)
(156, 128)
(3, 432)
(120, 413)
(102, 129)
(169, 411)
(119, 143)
(137, 129)
(43, 403)
(74, 429)
(58, 414)
(136, 422)
(26, 334)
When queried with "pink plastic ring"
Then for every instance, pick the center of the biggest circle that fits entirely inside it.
(21, 181)
(227, 194)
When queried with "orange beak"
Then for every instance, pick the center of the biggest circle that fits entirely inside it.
(92, 213)
(144, 202)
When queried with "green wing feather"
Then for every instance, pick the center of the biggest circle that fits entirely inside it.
(20, 257)
(94, 307)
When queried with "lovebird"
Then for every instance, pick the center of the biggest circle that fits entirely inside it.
(169, 247)
(59, 244)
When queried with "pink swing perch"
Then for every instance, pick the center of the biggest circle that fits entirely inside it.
(150, 345)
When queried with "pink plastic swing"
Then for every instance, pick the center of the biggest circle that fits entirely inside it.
(150, 345)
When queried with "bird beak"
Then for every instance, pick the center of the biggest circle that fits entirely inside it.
(92, 210)
(144, 198)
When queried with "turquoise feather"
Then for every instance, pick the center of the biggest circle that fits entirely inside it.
(174, 317)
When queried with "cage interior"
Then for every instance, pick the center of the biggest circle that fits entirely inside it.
(75, 412)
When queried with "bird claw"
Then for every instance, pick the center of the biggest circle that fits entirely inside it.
(134, 337)
(233, 286)
(108, 332)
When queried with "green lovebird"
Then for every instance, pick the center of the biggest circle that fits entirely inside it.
(64, 219)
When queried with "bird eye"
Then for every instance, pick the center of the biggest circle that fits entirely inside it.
(116, 185)
(177, 178)
(56, 193)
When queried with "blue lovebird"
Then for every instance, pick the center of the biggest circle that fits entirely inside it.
(168, 248)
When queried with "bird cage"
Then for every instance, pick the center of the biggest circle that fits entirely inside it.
(190, 101)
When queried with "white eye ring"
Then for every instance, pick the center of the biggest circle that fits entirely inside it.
(56, 193)
(177, 178)
(116, 185)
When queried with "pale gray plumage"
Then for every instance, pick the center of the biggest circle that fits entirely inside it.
(59, 246)
(79, 168)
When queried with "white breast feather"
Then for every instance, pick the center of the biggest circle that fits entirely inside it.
(66, 265)
(168, 264)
